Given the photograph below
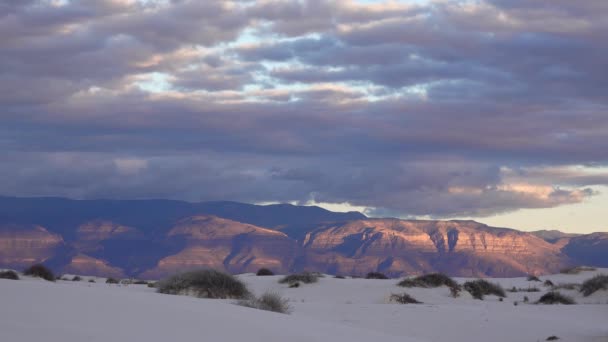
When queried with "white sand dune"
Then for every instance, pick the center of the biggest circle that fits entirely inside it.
(330, 310)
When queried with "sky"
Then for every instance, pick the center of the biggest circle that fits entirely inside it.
(493, 110)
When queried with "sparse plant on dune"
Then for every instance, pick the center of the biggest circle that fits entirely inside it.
(269, 301)
(111, 281)
(403, 298)
(480, 288)
(304, 277)
(555, 297)
(40, 271)
(597, 283)
(533, 278)
(264, 272)
(376, 275)
(432, 280)
(204, 284)
(12, 275)
(576, 269)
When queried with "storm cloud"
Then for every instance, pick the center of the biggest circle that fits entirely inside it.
(442, 109)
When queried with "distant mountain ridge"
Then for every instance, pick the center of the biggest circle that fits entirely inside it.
(153, 238)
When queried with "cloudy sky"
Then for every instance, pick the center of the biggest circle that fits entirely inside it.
(489, 109)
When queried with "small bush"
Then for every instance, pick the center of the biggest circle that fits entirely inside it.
(524, 289)
(597, 283)
(39, 271)
(552, 338)
(264, 272)
(533, 278)
(513, 289)
(204, 284)
(152, 284)
(429, 280)
(403, 298)
(76, 278)
(91, 280)
(555, 297)
(269, 301)
(567, 286)
(548, 283)
(340, 277)
(376, 275)
(526, 299)
(140, 282)
(9, 275)
(480, 288)
(111, 281)
(294, 285)
(304, 277)
(576, 270)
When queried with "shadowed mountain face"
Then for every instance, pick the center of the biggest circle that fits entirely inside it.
(152, 239)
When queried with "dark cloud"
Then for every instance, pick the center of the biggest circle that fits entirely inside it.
(446, 109)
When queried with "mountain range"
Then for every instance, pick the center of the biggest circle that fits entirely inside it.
(153, 238)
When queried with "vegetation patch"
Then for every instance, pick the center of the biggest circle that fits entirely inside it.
(264, 272)
(111, 281)
(548, 283)
(76, 278)
(431, 281)
(403, 298)
(480, 288)
(567, 286)
(304, 277)
(576, 269)
(39, 271)
(376, 275)
(204, 284)
(533, 278)
(269, 301)
(597, 283)
(9, 275)
(140, 282)
(555, 297)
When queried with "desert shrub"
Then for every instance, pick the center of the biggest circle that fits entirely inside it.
(140, 282)
(515, 303)
(340, 277)
(204, 284)
(479, 288)
(294, 285)
(548, 283)
(39, 271)
(500, 299)
(552, 338)
(304, 277)
(376, 275)
(576, 269)
(513, 289)
(526, 299)
(76, 278)
(91, 280)
(597, 283)
(111, 281)
(264, 272)
(152, 284)
(567, 286)
(533, 278)
(555, 297)
(269, 301)
(525, 289)
(432, 280)
(403, 298)
(9, 275)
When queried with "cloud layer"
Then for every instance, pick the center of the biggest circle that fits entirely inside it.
(440, 108)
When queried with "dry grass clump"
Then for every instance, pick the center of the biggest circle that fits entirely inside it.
(12, 275)
(480, 288)
(204, 284)
(40, 271)
(269, 301)
(403, 298)
(555, 297)
(597, 283)
(304, 277)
